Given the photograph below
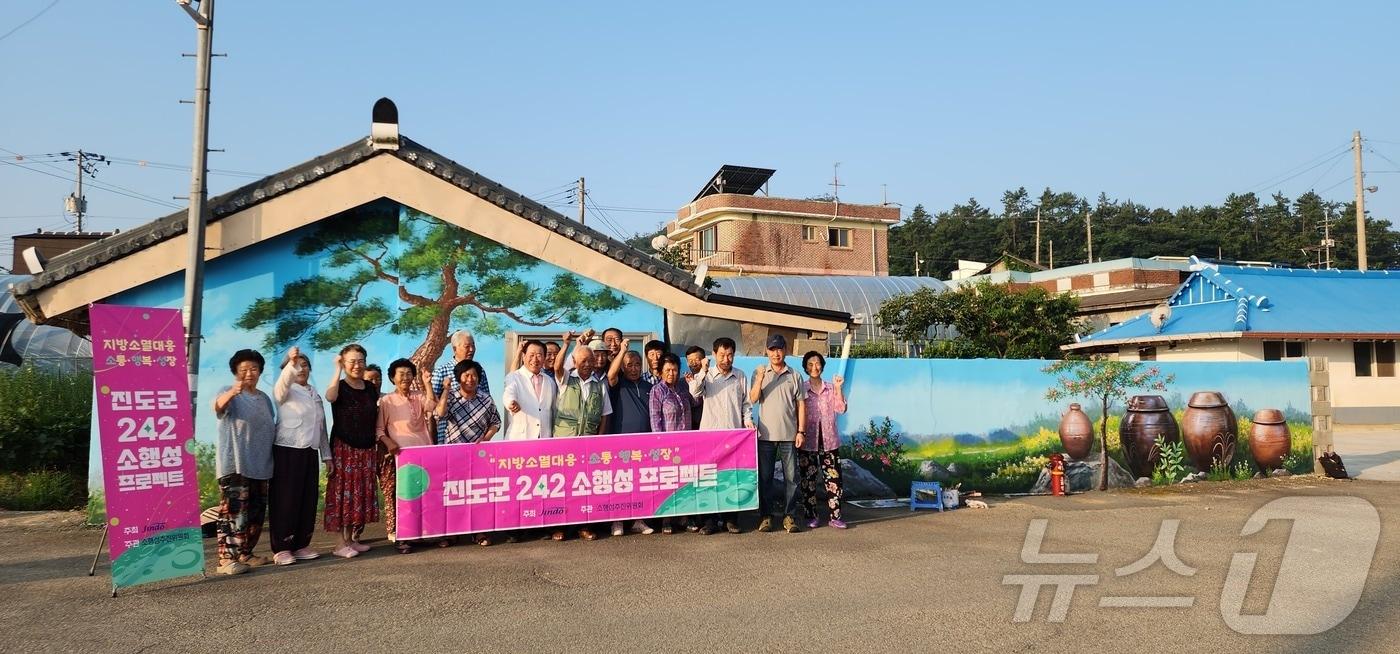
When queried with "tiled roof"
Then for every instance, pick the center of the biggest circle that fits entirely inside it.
(1270, 302)
(115, 247)
(94, 255)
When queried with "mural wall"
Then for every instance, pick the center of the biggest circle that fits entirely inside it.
(393, 279)
(399, 281)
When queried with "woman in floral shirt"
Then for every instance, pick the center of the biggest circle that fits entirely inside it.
(670, 406)
(817, 462)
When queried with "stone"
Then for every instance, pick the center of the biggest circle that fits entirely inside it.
(955, 470)
(1143, 482)
(1281, 473)
(857, 483)
(1083, 476)
(930, 470)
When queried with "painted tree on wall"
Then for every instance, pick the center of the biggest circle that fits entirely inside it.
(444, 276)
(1106, 380)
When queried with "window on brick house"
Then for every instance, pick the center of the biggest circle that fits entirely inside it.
(709, 237)
(838, 238)
(809, 233)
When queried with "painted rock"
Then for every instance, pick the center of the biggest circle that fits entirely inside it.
(1147, 418)
(1076, 432)
(1269, 439)
(1209, 431)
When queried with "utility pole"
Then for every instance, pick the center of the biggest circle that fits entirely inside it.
(76, 203)
(80, 203)
(1360, 202)
(198, 216)
(582, 193)
(1327, 241)
(917, 261)
(1052, 254)
(1089, 233)
(1037, 236)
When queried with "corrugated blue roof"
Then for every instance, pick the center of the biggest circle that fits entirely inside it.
(1234, 299)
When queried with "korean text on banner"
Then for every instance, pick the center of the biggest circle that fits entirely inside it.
(146, 436)
(472, 488)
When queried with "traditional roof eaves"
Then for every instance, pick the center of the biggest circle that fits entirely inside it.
(94, 255)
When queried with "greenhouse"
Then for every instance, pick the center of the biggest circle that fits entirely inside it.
(43, 345)
(860, 296)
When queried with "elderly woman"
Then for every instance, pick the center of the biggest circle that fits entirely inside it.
(470, 415)
(300, 445)
(350, 501)
(817, 462)
(403, 422)
(243, 458)
(467, 414)
(670, 405)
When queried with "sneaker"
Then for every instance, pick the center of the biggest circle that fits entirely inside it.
(345, 552)
(587, 534)
(666, 527)
(766, 524)
(839, 524)
(254, 560)
(814, 523)
(233, 568)
(641, 527)
(691, 527)
(558, 534)
(790, 525)
(306, 554)
(731, 526)
(617, 529)
(708, 528)
(359, 547)
(284, 558)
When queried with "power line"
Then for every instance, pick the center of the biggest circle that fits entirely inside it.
(20, 26)
(1274, 181)
(135, 195)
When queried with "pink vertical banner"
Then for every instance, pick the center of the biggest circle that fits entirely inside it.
(478, 487)
(146, 436)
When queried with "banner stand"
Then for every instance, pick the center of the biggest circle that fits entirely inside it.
(100, 543)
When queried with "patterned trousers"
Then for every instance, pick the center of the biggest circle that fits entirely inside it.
(820, 470)
(242, 509)
(388, 482)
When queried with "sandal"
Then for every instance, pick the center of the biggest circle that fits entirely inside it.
(403, 548)
(483, 540)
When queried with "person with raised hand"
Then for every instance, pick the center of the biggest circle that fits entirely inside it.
(350, 481)
(403, 422)
(818, 463)
(301, 444)
(243, 462)
(725, 392)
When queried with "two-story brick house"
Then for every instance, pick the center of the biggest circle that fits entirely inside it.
(735, 232)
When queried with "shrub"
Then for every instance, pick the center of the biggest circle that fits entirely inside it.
(1171, 465)
(1022, 473)
(876, 350)
(45, 420)
(876, 446)
(41, 490)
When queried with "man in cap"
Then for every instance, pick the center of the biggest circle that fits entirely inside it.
(782, 417)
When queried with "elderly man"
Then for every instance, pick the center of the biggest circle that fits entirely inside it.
(582, 406)
(463, 349)
(529, 397)
(725, 393)
(782, 418)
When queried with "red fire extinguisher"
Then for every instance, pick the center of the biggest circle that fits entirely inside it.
(1057, 474)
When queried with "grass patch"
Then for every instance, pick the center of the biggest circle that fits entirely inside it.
(41, 490)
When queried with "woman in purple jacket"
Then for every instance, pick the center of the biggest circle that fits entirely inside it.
(817, 462)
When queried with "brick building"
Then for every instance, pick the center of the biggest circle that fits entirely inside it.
(735, 232)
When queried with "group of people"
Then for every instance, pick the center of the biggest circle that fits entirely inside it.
(270, 449)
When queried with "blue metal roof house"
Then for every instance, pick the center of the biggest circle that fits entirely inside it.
(1349, 319)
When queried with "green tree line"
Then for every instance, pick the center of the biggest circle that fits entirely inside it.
(1243, 227)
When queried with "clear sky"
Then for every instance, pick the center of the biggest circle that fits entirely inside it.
(1167, 104)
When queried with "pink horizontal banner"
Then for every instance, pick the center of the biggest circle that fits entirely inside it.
(478, 487)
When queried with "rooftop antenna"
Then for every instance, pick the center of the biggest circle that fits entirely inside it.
(836, 189)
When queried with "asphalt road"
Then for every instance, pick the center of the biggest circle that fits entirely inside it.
(895, 581)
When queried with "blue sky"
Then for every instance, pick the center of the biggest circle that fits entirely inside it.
(1165, 104)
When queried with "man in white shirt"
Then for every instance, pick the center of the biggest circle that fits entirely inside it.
(725, 392)
(529, 397)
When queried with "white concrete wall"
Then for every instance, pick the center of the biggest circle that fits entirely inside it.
(1355, 400)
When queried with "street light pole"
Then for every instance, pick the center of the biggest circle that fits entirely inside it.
(198, 215)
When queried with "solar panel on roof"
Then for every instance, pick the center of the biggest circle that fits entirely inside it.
(743, 180)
